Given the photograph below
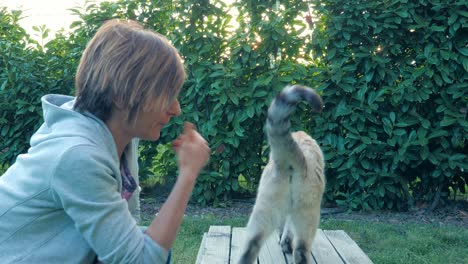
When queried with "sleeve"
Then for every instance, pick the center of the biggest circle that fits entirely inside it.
(84, 185)
(131, 153)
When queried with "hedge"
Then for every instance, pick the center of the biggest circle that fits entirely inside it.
(393, 76)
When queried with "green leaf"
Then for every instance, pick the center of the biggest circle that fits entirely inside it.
(5, 130)
(441, 108)
(346, 35)
(447, 121)
(250, 111)
(216, 74)
(424, 153)
(462, 12)
(425, 123)
(285, 78)
(412, 136)
(369, 75)
(452, 18)
(222, 98)
(402, 13)
(336, 163)
(445, 54)
(388, 126)
(359, 148)
(399, 132)
(342, 109)
(463, 51)
(362, 92)
(422, 136)
(260, 93)
(437, 133)
(263, 81)
(366, 140)
(75, 24)
(437, 28)
(235, 184)
(365, 164)
(239, 131)
(457, 157)
(464, 61)
(233, 98)
(371, 181)
(2, 87)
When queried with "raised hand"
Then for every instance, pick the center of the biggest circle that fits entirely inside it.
(192, 151)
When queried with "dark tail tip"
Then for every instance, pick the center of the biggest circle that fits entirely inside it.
(310, 95)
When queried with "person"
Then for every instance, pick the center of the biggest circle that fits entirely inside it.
(73, 197)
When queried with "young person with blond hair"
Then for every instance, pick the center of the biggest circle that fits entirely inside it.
(74, 196)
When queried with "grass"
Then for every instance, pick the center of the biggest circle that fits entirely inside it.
(406, 243)
(383, 242)
(190, 234)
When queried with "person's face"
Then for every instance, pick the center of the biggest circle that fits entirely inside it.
(150, 123)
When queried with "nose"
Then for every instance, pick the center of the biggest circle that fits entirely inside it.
(174, 109)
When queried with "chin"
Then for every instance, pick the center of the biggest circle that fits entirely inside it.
(152, 137)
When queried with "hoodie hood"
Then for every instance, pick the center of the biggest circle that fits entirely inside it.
(61, 120)
(64, 195)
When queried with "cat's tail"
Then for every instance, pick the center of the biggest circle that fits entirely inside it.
(278, 124)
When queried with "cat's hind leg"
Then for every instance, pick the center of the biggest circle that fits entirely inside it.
(286, 238)
(252, 248)
(261, 225)
(304, 226)
(266, 218)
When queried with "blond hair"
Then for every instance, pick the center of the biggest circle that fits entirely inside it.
(129, 66)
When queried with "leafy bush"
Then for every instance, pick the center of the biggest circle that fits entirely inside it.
(232, 76)
(395, 127)
(393, 76)
(27, 73)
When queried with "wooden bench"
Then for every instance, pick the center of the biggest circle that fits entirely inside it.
(222, 244)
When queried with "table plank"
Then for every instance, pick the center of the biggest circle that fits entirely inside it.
(237, 243)
(216, 246)
(274, 246)
(271, 251)
(223, 245)
(323, 250)
(202, 249)
(276, 252)
(348, 250)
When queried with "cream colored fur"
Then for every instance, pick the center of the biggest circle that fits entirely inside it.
(289, 196)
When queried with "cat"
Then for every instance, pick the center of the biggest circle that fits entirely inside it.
(291, 185)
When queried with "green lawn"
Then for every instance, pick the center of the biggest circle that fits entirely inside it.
(383, 242)
(406, 243)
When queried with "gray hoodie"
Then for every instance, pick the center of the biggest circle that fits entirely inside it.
(61, 201)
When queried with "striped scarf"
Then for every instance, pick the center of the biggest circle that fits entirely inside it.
(128, 182)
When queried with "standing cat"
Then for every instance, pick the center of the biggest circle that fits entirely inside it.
(292, 183)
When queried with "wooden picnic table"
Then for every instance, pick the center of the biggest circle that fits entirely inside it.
(222, 244)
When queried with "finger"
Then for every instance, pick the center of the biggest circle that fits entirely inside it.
(178, 140)
(177, 143)
(188, 128)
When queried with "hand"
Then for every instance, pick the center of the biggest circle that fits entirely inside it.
(192, 152)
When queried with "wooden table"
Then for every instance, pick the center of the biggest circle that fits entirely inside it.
(222, 244)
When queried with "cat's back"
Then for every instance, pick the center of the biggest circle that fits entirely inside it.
(309, 147)
(313, 157)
